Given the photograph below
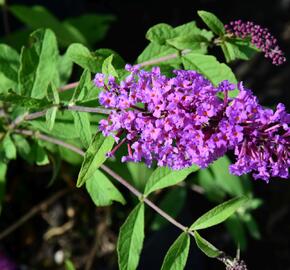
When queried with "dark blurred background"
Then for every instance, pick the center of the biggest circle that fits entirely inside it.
(127, 36)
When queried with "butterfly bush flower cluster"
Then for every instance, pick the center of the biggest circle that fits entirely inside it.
(260, 37)
(181, 121)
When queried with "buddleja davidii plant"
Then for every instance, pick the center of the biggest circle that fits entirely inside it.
(135, 123)
(51, 104)
(76, 134)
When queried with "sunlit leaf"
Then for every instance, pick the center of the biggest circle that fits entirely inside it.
(212, 22)
(206, 247)
(177, 254)
(9, 59)
(164, 177)
(130, 241)
(38, 64)
(102, 191)
(95, 156)
(82, 126)
(218, 214)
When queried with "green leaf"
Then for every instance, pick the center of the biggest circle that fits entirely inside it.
(236, 230)
(38, 64)
(140, 173)
(228, 182)
(172, 203)
(95, 156)
(177, 254)
(251, 225)
(103, 53)
(70, 156)
(164, 177)
(228, 51)
(9, 59)
(197, 43)
(52, 94)
(218, 214)
(189, 36)
(102, 191)
(212, 22)
(41, 158)
(207, 181)
(108, 68)
(90, 93)
(56, 163)
(22, 146)
(242, 48)
(22, 101)
(39, 17)
(64, 69)
(254, 203)
(209, 67)
(33, 153)
(9, 147)
(82, 88)
(63, 127)
(50, 116)
(81, 55)
(190, 28)
(159, 33)
(206, 247)
(93, 27)
(130, 241)
(154, 51)
(83, 127)
(3, 170)
(69, 265)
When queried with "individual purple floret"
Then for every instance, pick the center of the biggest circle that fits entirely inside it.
(260, 37)
(181, 121)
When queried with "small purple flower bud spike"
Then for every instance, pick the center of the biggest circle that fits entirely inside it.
(260, 37)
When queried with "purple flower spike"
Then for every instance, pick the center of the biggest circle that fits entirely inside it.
(181, 121)
(260, 37)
